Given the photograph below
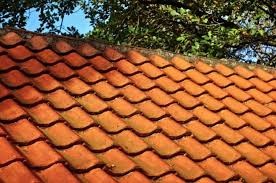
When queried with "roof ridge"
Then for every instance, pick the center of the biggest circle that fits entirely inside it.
(102, 44)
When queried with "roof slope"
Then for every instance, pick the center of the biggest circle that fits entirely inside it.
(71, 113)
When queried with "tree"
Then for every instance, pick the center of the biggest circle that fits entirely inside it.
(240, 29)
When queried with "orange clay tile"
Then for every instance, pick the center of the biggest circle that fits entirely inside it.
(167, 84)
(243, 72)
(224, 152)
(162, 145)
(96, 139)
(135, 57)
(224, 70)
(200, 131)
(151, 110)
(159, 61)
(19, 53)
(193, 148)
(75, 60)
(43, 114)
(270, 151)
(141, 125)
(46, 83)
(181, 63)
(57, 173)
(272, 94)
(92, 103)
(228, 134)
(62, 46)
(105, 90)
(6, 63)
(17, 172)
(219, 79)
(100, 63)
(9, 110)
(126, 67)
(96, 175)
(32, 67)
(129, 142)
(4, 92)
(258, 108)
(60, 135)
(48, 57)
(159, 97)
(61, 100)
(10, 39)
(77, 118)
(203, 67)
(152, 164)
(192, 88)
(252, 154)
(263, 75)
(170, 178)
(178, 113)
(122, 107)
(235, 106)
(254, 136)
(261, 85)
(8, 152)
(151, 71)
(269, 170)
(208, 180)
(272, 106)
(232, 119)
(174, 74)
(211, 103)
(215, 91)
(237, 93)
(241, 82)
(186, 100)
(61, 71)
(142, 82)
(134, 176)
(2, 132)
(37, 43)
(171, 128)
(259, 96)
(23, 132)
(206, 116)
(90, 75)
(271, 119)
(248, 172)
(40, 154)
(117, 162)
(217, 170)
(186, 168)
(28, 95)
(272, 83)
(14, 79)
(79, 157)
(112, 54)
(76, 87)
(255, 121)
(116, 78)
(133, 94)
(271, 134)
(196, 76)
(110, 122)
(87, 50)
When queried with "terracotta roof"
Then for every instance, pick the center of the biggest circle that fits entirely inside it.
(75, 113)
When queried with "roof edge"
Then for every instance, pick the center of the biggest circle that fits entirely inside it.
(101, 45)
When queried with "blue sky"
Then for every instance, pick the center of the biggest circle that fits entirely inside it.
(76, 19)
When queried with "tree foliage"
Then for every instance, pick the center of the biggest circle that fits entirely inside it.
(240, 29)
